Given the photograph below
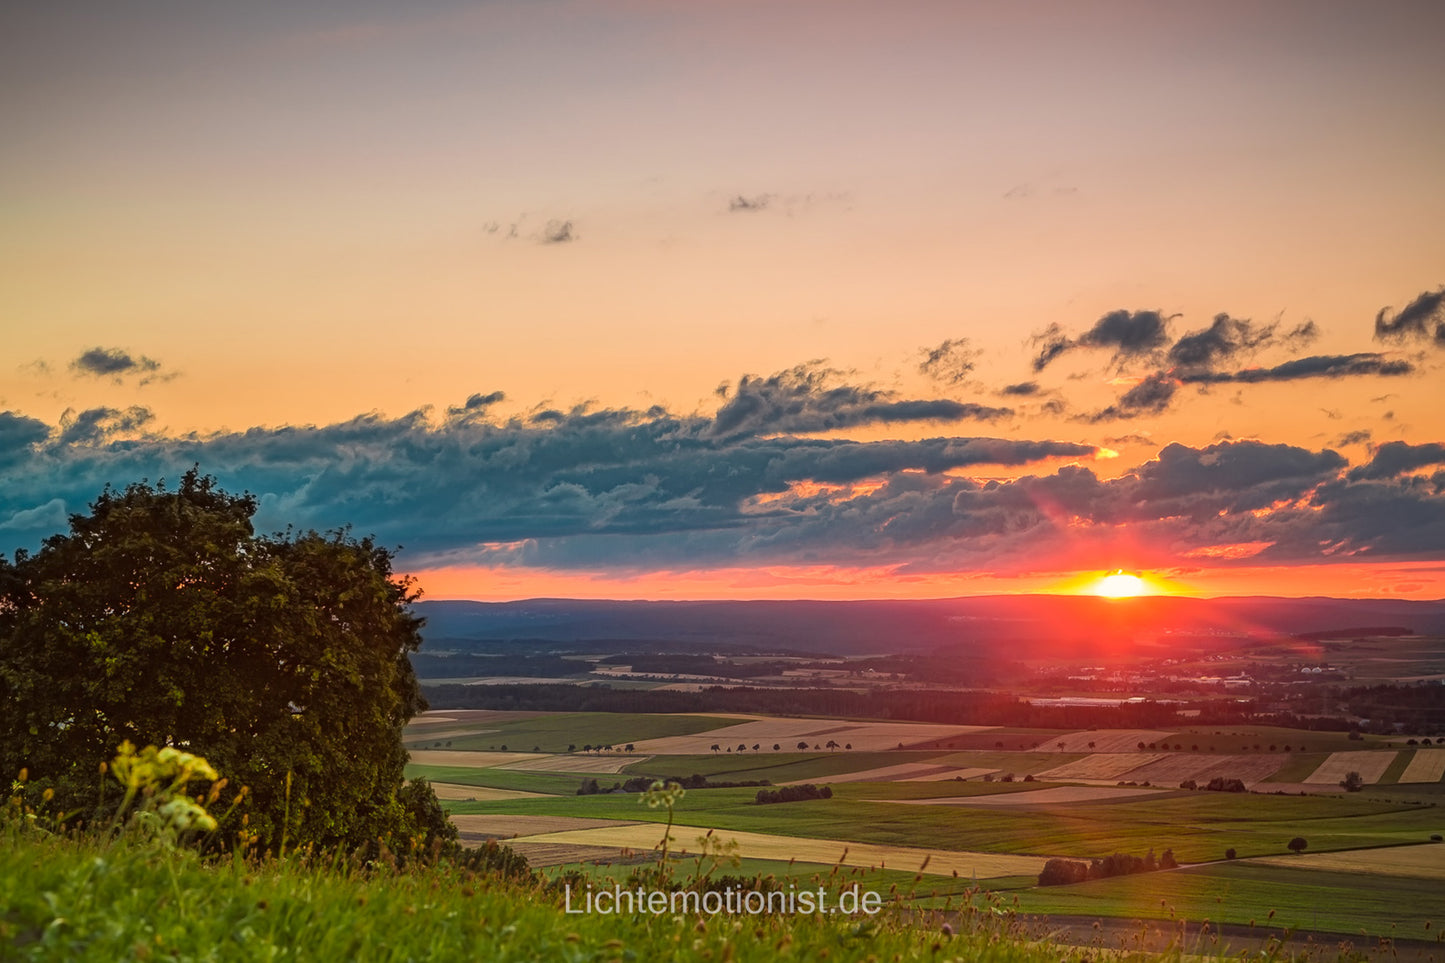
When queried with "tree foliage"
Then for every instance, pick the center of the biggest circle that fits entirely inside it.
(164, 619)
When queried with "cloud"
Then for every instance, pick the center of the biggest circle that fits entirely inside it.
(1397, 458)
(96, 425)
(18, 434)
(117, 364)
(949, 362)
(744, 204)
(1128, 334)
(809, 398)
(622, 489)
(1414, 319)
(558, 232)
(1229, 337)
(1316, 366)
(1022, 389)
(1150, 396)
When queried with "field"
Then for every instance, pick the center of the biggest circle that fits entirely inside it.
(1059, 795)
(827, 851)
(1100, 765)
(1428, 765)
(1370, 765)
(1426, 861)
(898, 806)
(862, 736)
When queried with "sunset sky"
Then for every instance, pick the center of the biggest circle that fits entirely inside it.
(665, 299)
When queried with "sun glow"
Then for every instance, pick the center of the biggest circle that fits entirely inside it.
(1118, 585)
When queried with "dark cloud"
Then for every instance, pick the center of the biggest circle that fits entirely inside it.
(743, 203)
(96, 425)
(949, 362)
(1361, 437)
(18, 434)
(1225, 338)
(117, 363)
(1414, 320)
(558, 232)
(1316, 366)
(1397, 458)
(1022, 389)
(1149, 397)
(809, 398)
(625, 489)
(1128, 334)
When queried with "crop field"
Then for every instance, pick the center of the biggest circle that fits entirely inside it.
(1253, 892)
(950, 772)
(1173, 769)
(898, 773)
(1103, 740)
(831, 851)
(1428, 765)
(862, 736)
(507, 826)
(609, 763)
(1053, 796)
(1370, 765)
(456, 793)
(1100, 765)
(1426, 861)
(467, 760)
(557, 732)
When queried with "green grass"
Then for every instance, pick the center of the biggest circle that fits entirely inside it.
(1392, 773)
(80, 902)
(1298, 767)
(556, 783)
(1242, 893)
(1197, 826)
(554, 733)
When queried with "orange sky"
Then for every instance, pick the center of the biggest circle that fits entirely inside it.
(264, 240)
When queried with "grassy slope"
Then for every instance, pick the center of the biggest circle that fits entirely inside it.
(1242, 893)
(77, 902)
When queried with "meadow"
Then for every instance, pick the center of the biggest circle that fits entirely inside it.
(892, 808)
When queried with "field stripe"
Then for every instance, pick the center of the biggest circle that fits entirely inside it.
(1427, 766)
(1371, 765)
(1426, 861)
(766, 846)
(458, 793)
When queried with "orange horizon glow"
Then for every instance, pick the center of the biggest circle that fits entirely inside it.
(1405, 580)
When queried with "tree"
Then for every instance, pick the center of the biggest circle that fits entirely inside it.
(802, 744)
(1353, 782)
(162, 618)
(1298, 845)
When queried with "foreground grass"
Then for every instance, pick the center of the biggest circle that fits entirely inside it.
(75, 901)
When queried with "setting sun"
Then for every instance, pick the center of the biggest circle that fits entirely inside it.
(1117, 585)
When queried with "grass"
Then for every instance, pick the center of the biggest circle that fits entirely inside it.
(81, 902)
(554, 733)
(1243, 893)
(1396, 769)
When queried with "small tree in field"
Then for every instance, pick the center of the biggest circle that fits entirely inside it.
(1298, 845)
(1353, 782)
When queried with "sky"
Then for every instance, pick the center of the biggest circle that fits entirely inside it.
(786, 299)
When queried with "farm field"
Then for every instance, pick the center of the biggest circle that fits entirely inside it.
(1370, 765)
(829, 851)
(1058, 795)
(1428, 765)
(862, 736)
(890, 804)
(1426, 861)
(1246, 892)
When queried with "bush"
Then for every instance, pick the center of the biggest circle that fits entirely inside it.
(1061, 872)
(1220, 784)
(793, 794)
(1230, 853)
(1298, 845)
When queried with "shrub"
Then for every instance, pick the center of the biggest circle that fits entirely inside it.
(1230, 853)
(1298, 845)
(793, 794)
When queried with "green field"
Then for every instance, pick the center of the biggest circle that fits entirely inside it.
(1244, 893)
(554, 733)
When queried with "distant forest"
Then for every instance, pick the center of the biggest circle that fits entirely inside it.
(1387, 708)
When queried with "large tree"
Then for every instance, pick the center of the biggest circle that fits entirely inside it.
(162, 617)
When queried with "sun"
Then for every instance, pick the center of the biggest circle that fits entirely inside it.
(1119, 585)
